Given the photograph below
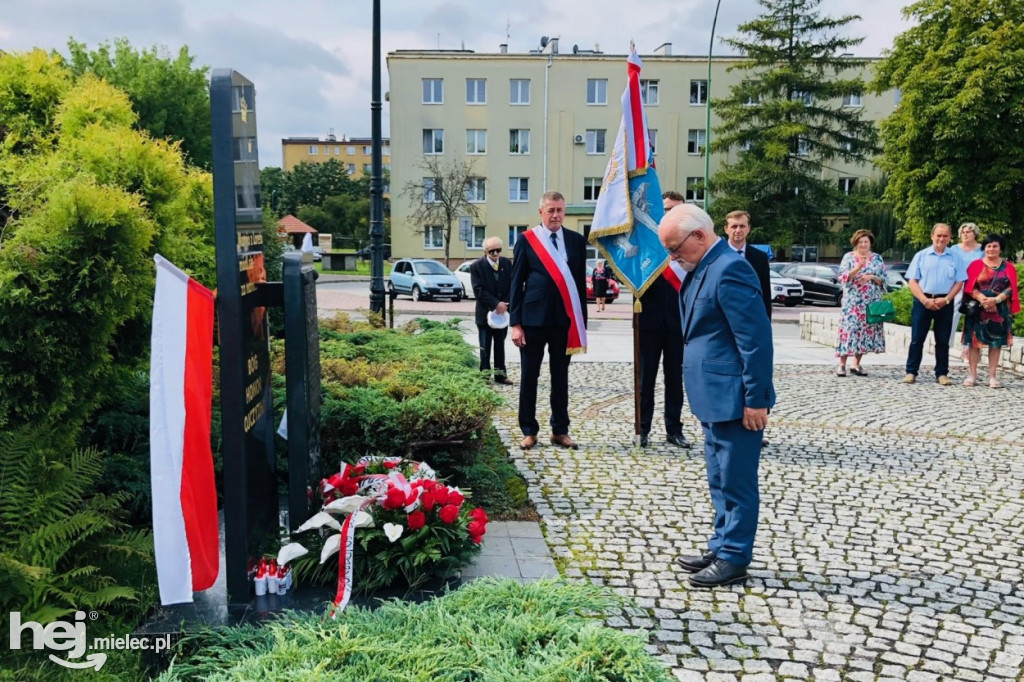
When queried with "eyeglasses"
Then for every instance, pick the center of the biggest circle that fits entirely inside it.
(493, 250)
(675, 249)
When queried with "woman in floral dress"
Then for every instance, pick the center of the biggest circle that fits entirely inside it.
(862, 274)
(992, 282)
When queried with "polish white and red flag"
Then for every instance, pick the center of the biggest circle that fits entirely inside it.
(185, 530)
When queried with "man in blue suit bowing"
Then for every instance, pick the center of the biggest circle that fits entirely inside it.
(727, 369)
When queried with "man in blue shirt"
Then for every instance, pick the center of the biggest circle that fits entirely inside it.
(935, 276)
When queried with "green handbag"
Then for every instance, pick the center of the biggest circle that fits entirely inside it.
(881, 311)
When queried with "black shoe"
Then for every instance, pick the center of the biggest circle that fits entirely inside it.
(720, 573)
(503, 380)
(678, 439)
(764, 443)
(644, 440)
(692, 564)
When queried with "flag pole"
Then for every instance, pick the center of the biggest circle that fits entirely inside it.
(636, 370)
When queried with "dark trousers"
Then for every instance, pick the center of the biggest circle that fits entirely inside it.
(732, 454)
(532, 356)
(489, 337)
(921, 320)
(668, 346)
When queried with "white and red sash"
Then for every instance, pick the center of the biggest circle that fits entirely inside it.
(558, 270)
(675, 275)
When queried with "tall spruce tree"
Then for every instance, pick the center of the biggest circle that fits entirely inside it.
(788, 120)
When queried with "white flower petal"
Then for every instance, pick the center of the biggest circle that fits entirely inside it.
(318, 520)
(331, 545)
(393, 531)
(362, 520)
(345, 505)
(290, 551)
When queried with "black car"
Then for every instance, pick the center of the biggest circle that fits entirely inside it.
(364, 253)
(820, 280)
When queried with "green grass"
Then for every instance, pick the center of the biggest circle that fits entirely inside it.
(490, 630)
(362, 268)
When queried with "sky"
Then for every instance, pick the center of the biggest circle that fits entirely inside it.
(311, 59)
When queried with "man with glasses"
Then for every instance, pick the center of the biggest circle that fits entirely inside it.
(935, 277)
(727, 367)
(491, 277)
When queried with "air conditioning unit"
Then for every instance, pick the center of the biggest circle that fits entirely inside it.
(578, 139)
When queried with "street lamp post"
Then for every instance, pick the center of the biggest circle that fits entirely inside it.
(707, 112)
(376, 179)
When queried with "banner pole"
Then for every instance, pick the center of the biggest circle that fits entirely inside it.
(636, 371)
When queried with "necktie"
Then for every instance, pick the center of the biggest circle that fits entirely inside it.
(494, 264)
(739, 251)
(554, 240)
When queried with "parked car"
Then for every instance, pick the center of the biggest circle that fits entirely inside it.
(789, 292)
(778, 267)
(465, 279)
(894, 280)
(423, 279)
(820, 281)
(899, 267)
(364, 253)
(613, 287)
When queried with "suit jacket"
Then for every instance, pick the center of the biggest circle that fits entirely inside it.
(758, 259)
(536, 301)
(659, 308)
(727, 357)
(488, 289)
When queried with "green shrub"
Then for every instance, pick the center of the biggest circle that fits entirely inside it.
(487, 630)
(902, 300)
(63, 546)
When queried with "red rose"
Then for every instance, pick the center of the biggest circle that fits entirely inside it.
(359, 469)
(390, 465)
(449, 513)
(416, 520)
(479, 514)
(427, 500)
(476, 538)
(476, 528)
(394, 499)
(349, 487)
(455, 497)
(441, 494)
(427, 484)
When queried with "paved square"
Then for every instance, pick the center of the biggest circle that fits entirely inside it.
(890, 544)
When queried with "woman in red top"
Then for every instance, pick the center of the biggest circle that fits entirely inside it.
(992, 282)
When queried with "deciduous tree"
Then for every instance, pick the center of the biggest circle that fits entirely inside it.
(954, 146)
(441, 196)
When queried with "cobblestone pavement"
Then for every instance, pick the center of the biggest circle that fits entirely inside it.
(890, 545)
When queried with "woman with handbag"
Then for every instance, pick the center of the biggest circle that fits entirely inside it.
(862, 274)
(992, 282)
(968, 251)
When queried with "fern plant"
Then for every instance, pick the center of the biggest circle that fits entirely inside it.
(64, 546)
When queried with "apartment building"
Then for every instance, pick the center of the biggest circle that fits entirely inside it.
(547, 120)
(354, 153)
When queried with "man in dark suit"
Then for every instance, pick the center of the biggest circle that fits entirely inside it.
(491, 277)
(548, 309)
(727, 366)
(737, 227)
(661, 339)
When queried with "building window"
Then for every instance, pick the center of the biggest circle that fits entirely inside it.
(367, 151)
(518, 189)
(476, 141)
(514, 231)
(313, 150)
(433, 237)
(337, 151)
(476, 91)
(367, 168)
(847, 141)
(695, 141)
(746, 146)
(753, 99)
(433, 91)
(386, 150)
(597, 91)
(351, 169)
(246, 199)
(695, 189)
(591, 189)
(350, 151)
(852, 101)
(245, 149)
(649, 92)
(652, 135)
(803, 147)
(429, 191)
(433, 140)
(476, 240)
(476, 190)
(698, 92)
(801, 96)
(846, 185)
(519, 91)
(519, 141)
(595, 141)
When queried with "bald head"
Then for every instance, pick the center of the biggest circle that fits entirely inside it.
(687, 232)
